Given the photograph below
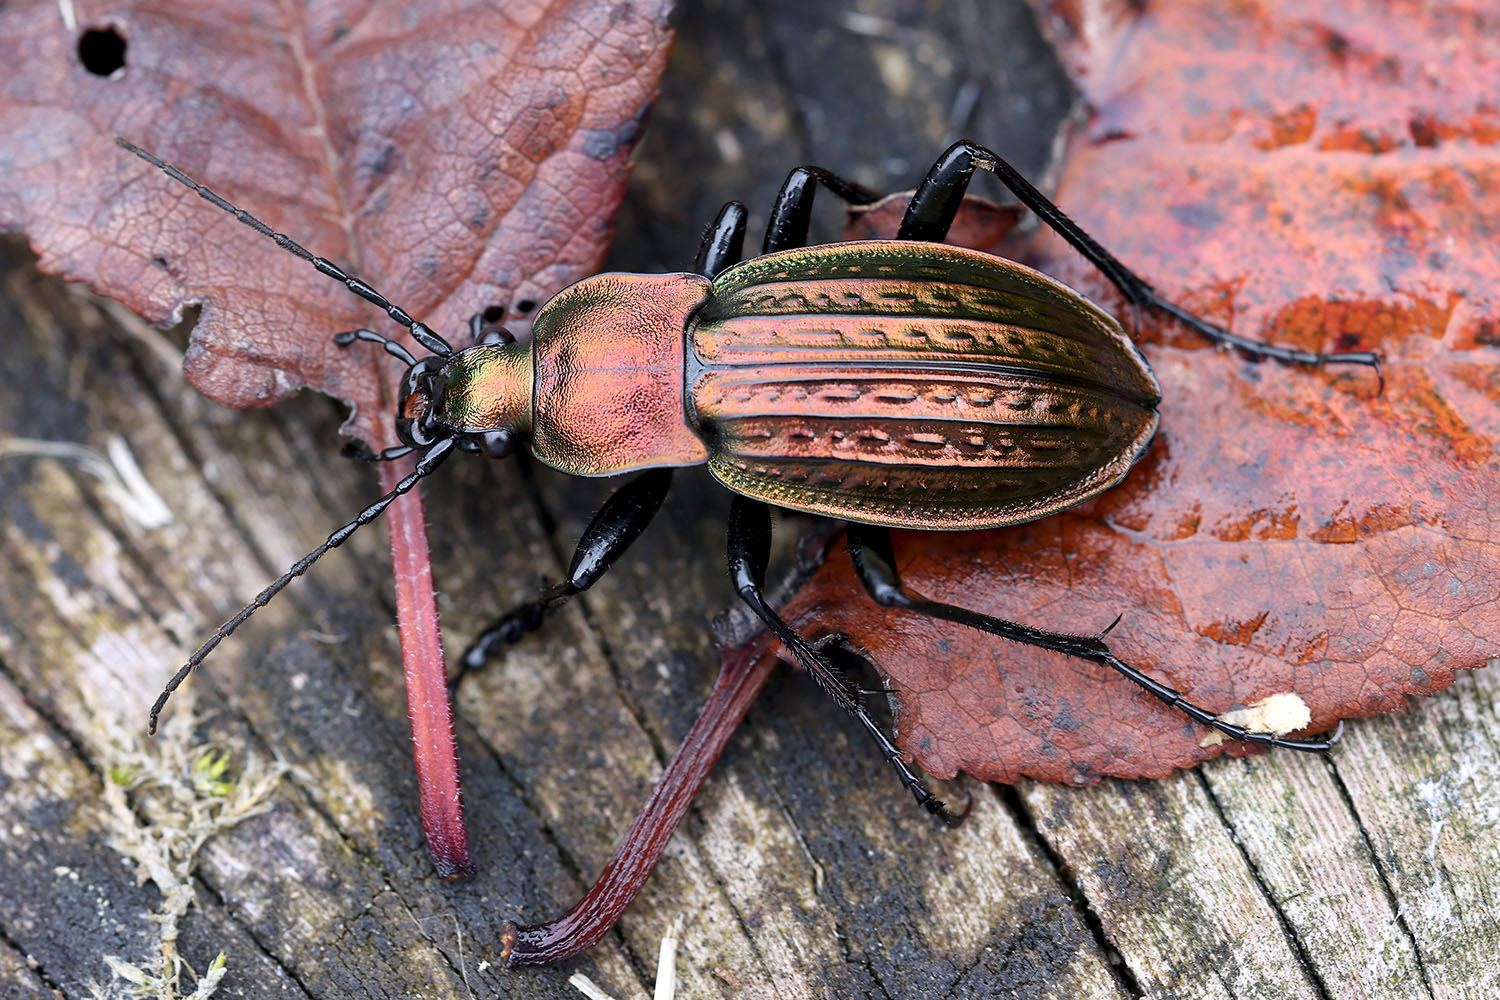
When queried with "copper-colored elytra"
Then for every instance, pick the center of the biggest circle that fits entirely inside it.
(942, 388)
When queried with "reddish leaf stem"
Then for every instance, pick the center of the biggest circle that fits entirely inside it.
(426, 681)
(741, 678)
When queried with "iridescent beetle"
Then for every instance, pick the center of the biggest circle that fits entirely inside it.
(889, 383)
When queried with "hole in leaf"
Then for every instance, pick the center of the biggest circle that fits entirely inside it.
(525, 306)
(102, 51)
(494, 314)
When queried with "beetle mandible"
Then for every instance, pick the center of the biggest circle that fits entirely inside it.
(888, 383)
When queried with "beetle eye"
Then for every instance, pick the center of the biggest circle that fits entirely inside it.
(496, 444)
(499, 335)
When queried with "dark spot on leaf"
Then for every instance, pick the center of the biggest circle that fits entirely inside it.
(160, 262)
(629, 131)
(1199, 215)
(493, 314)
(1424, 131)
(102, 51)
(1337, 45)
(601, 144)
(1488, 333)
(525, 306)
(374, 164)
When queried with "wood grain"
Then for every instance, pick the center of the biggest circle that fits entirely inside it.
(803, 871)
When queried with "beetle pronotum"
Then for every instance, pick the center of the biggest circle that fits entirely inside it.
(889, 383)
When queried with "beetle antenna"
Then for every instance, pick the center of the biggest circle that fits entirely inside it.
(428, 462)
(420, 332)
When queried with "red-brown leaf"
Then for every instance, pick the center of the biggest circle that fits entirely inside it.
(1321, 176)
(455, 155)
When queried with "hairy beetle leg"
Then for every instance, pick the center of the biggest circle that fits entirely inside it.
(749, 554)
(874, 561)
(937, 200)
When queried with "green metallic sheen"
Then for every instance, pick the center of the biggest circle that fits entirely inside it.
(916, 385)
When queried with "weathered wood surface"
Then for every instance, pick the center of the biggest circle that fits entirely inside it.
(802, 871)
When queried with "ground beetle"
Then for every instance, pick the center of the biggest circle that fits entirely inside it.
(889, 383)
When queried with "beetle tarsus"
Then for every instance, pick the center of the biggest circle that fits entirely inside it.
(509, 629)
(613, 529)
(1260, 350)
(875, 564)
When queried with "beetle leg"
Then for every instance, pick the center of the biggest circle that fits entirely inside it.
(749, 554)
(874, 561)
(791, 213)
(723, 242)
(936, 202)
(619, 523)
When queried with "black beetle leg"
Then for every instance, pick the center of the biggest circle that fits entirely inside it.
(723, 242)
(791, 213)
(617, 524)
(936, 202)
(874, 561)
(749, 553)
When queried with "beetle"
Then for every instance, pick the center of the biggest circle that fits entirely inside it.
(889, 383)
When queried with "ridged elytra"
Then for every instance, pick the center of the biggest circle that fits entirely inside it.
(899, 383)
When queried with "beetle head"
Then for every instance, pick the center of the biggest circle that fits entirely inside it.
(479, 398)
(416, 415)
